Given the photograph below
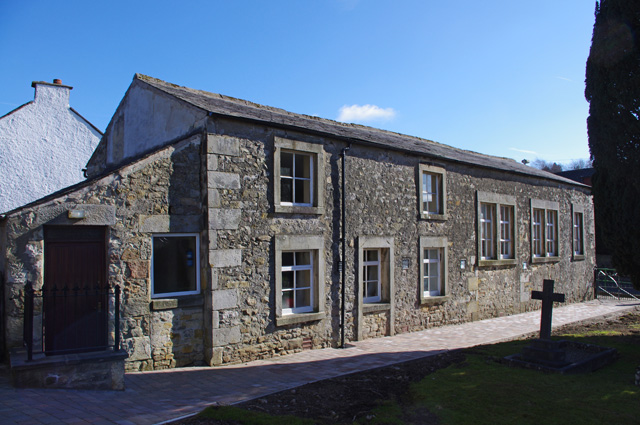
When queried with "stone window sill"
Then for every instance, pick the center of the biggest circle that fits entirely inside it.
(497, 263)
(540, 260)
(177, 302)
(434, 217)
(375, 307)
(292, 209)
(291, 319)
(579, 258)
(434, 300)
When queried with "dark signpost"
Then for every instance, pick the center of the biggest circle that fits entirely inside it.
(544, 350)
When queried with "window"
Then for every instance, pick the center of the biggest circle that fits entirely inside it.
(506, 232)
(375, 290)
(544, 231)
(433, 270)
(299, 281)
(496, 236)
(175, 265)
(487, 232)
(577, 213)
(375, 280)
(296, 186)
(298, 173)
(432, 189)
(371, 276)
(432, 273)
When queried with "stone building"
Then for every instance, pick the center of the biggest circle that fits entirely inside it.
(44, 145)
(222, 221)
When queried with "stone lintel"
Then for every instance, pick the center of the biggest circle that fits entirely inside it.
(92, 215)
(163, 223)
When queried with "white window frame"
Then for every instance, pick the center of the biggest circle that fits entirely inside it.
(196, 258)
(548, 249)
(385, 247)
(577, 232)
(439, 191)
(441, 245)
(315, 154)
(367, 279)
(537, 232)
(428, 263)
(506, 232)
(294, 178)
(551, 235)
(497, 239)
(297, 243)
(295, 289)
(487, 231)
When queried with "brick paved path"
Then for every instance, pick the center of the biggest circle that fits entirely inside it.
(154, 397)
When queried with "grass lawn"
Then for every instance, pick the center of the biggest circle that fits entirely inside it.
(482, 391)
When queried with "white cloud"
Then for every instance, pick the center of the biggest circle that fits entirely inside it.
(524, 151)
(365, 113)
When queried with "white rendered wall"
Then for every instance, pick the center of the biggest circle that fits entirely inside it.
(146, 120)
(44, 146)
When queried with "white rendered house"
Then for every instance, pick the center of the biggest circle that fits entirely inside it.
(44, 145)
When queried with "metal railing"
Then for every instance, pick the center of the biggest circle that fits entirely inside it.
(71, 320)
(608, 284)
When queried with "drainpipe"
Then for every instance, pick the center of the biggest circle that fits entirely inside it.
(344, 247)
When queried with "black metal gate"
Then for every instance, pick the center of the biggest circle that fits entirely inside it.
(608, 284)
(75, 329)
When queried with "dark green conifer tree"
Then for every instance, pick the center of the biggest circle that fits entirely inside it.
(613, 93)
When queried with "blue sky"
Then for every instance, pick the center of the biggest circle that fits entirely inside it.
(504, 77)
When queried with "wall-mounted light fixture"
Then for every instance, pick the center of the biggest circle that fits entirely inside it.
(524, 266)
(76, 214)
(463, 264)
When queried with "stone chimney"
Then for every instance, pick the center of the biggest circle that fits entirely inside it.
(53, 94)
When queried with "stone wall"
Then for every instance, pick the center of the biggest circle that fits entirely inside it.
(381, 201)
(158, 194)
(221, 186)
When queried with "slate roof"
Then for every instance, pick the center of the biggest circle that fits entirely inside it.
(218, 104)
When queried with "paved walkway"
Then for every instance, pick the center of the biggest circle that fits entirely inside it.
(154, 397)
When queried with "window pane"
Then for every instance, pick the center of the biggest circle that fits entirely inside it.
(287, 280)
(286, 164)
(174, 264)
(303, 258)
(302, 191)
(287, 299)
(303, 169)
(372, 289)
(371, 255)
(287, 259)
(303, 279)
(286, 190)
(371, 273)
(303, 298)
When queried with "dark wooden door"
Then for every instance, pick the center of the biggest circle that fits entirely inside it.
(75, 299)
